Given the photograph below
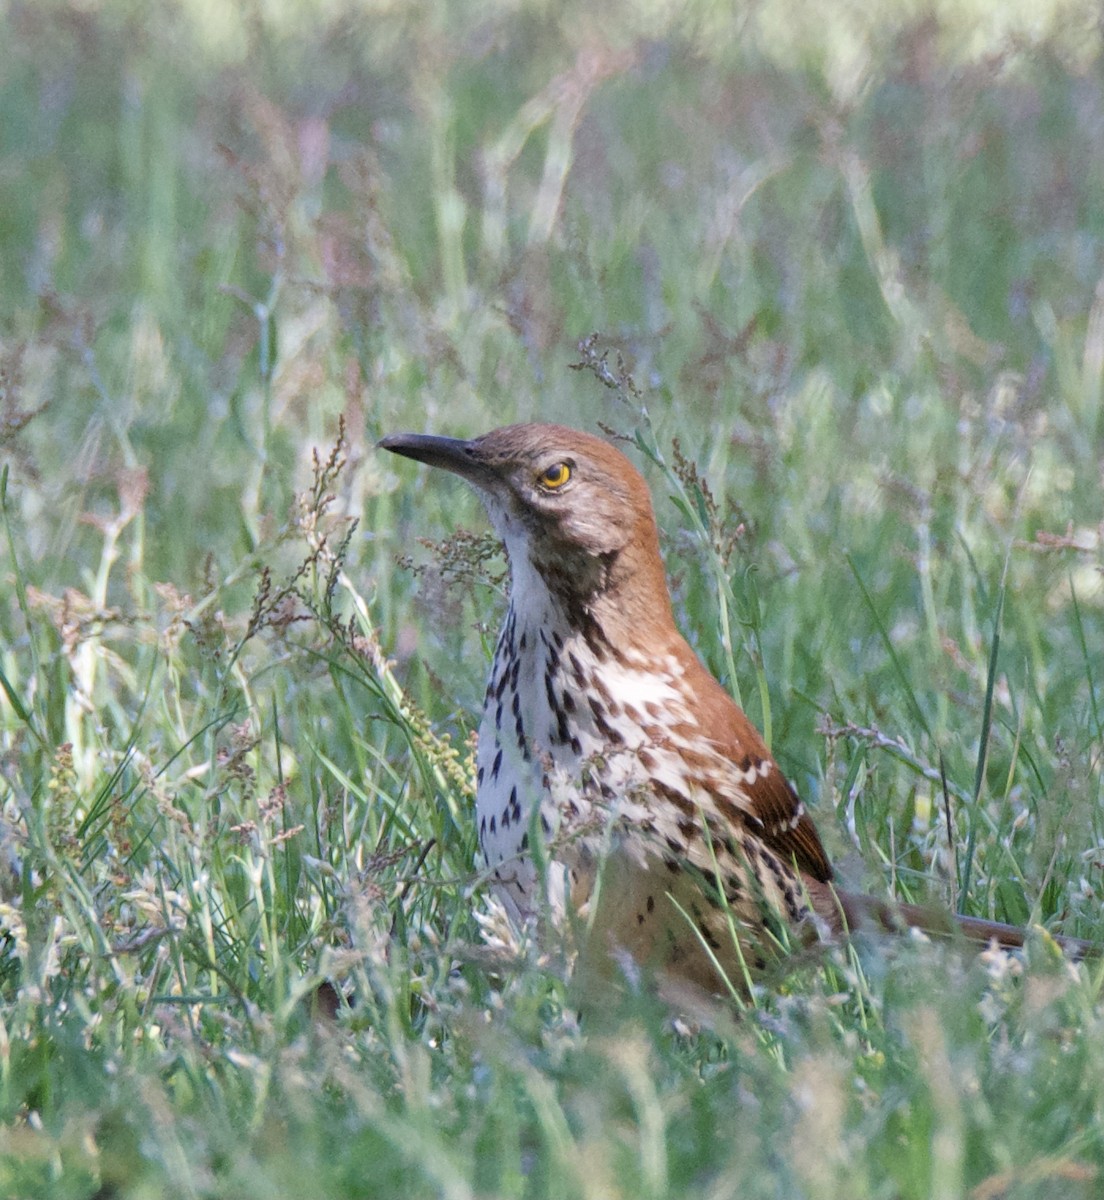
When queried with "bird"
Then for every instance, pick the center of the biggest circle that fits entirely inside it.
(621, 792)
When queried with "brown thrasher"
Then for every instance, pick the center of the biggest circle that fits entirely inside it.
(664, 821)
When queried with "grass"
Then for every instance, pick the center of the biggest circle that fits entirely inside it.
(854, 276)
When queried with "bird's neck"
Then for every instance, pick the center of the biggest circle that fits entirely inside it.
(567, 652)
(618, 604)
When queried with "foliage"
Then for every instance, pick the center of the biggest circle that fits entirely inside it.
(844, 269)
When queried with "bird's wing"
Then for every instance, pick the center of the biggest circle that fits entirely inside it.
(756, 786)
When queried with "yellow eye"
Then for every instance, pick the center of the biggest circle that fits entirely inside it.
(556, 476)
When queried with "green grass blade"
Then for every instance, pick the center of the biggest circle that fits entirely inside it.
(887, 642)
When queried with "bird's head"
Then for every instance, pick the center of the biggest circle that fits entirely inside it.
(566, 502)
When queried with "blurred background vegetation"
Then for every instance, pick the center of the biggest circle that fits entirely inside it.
(852, 257)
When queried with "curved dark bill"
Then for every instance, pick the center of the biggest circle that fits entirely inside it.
(450, 454)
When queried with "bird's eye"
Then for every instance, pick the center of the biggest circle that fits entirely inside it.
(555, 477)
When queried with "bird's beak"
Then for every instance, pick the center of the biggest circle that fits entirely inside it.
(450, 454)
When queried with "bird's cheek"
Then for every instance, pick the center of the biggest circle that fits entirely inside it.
(596, 532)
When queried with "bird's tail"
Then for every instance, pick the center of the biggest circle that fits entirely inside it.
(848, 911)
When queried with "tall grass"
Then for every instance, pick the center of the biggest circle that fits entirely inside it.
(846, 285)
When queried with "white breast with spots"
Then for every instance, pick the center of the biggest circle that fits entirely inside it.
(567, 753)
